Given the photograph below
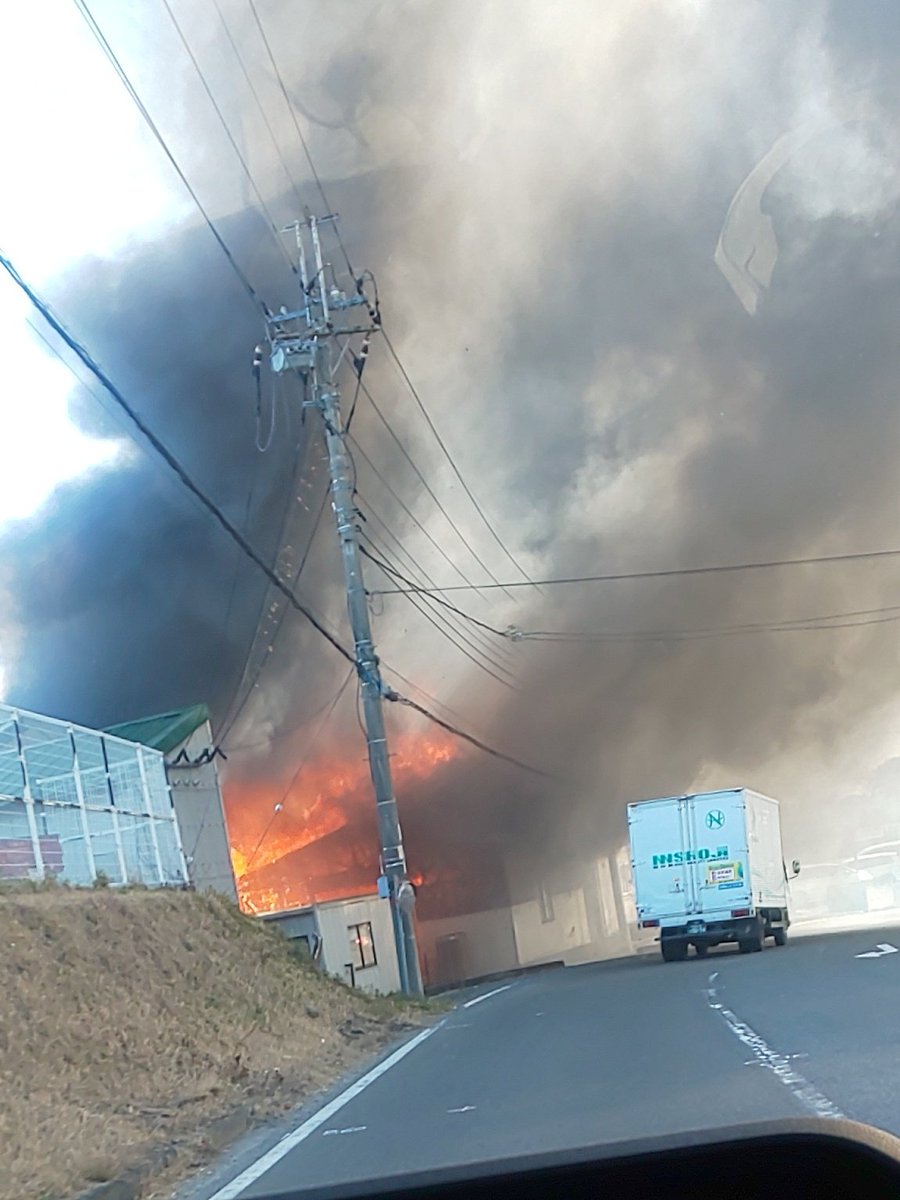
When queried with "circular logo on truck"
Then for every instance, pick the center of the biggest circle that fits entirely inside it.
(715, 819)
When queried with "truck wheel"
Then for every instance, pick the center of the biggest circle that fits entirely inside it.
(779, 933)
(673, 951)
(754, 943)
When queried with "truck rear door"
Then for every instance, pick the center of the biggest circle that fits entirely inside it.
(658, 835)
(717, 831)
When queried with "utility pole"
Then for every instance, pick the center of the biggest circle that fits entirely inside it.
(304, 341)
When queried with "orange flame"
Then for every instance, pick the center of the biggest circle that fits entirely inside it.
(325, 798)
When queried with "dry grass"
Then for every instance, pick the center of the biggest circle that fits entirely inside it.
(130, 1019)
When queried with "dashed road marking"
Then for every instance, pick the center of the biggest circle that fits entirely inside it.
(804, 1092)
(465, 1108)
(349, 1129)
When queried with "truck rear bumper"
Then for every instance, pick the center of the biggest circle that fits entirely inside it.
(730, 929)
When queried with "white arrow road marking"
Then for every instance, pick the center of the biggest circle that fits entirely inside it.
(779, 1064)
(879, 952)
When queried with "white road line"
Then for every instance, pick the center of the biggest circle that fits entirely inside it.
(349, 1129)
(804, 1092)
(487, 995)
(465, 1108)
(250, 1174)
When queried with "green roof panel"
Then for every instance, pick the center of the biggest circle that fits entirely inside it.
(165, 731)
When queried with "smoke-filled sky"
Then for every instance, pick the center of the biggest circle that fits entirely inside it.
(541, 197)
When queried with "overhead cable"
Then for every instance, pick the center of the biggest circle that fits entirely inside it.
(371, 514)
(279, 806)
(236, 536)
(299, 131)
(427, 486)
(476, 587)
(475, 654)
(669, 573)
(154, 129)
(231, 138)
(259, 104)
(450, 459)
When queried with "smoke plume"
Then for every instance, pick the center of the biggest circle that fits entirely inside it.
(541, 198)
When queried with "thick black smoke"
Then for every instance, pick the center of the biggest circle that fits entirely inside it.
(541, 201)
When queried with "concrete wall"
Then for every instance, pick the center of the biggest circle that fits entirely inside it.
(335, 920)
(540, 938)
(201, 816)
(454, 949)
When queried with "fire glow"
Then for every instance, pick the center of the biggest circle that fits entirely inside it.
(322, 843)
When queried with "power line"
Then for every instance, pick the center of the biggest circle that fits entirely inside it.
(476, 587)
(845, 620)
(279, 807)
(412, 587)
(301, 138)
(230, 723)
(259, 103)
(237, 150)
(154, 129)
(449, 457)
(427, 486)
(370, 513)
(434, 619)
(675, 572)
(468, 737)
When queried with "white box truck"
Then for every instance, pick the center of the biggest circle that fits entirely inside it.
(709, 868)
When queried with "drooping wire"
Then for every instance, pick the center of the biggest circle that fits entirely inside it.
(154, 129)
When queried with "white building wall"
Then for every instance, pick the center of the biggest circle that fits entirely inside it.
(485, 944)
(197, 797)
(336, 921)
(546, 931)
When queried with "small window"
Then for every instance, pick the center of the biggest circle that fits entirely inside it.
(362, 945)
(546, 903)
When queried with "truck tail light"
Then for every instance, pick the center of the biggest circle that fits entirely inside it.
(650, 924)
(740, 912)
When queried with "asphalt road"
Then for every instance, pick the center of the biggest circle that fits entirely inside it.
(620, 1050)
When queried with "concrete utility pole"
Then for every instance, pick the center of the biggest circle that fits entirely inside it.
(304, 341)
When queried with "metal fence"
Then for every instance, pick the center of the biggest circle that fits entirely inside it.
(79, 805)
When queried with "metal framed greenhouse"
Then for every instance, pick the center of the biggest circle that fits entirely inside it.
(80, 806)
